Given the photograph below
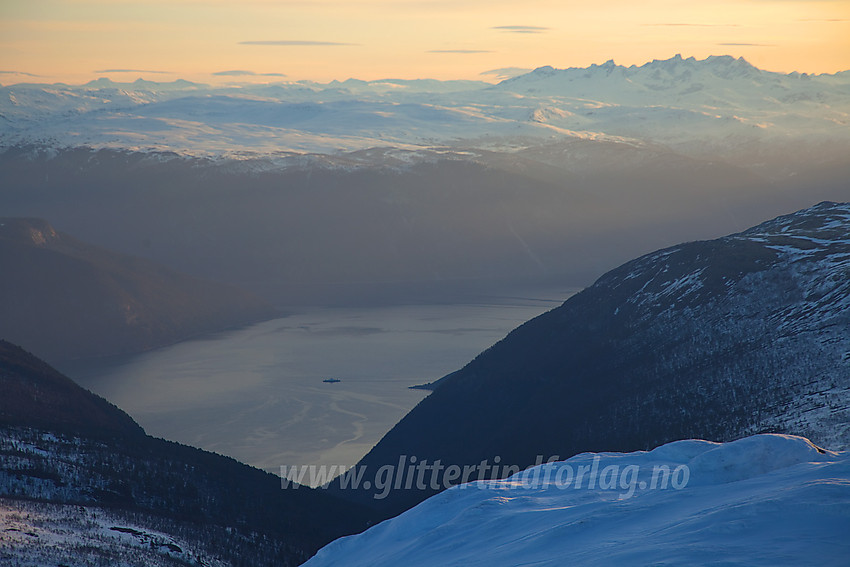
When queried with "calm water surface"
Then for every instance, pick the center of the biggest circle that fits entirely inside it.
(256, 394)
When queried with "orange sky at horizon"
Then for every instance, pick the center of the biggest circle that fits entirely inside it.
(75, 41)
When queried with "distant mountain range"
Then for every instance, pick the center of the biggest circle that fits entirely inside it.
(720, 103)
(713, 340)
(67, 299)
(81, 483)
(399, 191)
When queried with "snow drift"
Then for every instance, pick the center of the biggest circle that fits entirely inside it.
(762, 500)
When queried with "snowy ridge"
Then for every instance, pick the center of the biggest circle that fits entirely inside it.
(764, 500)
(812, 245)
(816, 245)
(814, 242)
(718, 101)
(786, 279)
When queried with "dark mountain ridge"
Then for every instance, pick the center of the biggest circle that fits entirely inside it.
(715, 339)
(62, 445)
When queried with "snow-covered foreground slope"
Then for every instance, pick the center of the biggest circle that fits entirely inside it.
(36, 534)
(719, 102)
(762, 500)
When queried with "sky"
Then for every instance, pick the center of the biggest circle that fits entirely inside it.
(215, 41)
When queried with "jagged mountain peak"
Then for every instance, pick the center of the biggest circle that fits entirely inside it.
(657, 73)
(724, 66)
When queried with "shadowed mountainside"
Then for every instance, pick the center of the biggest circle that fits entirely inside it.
(35, 395)
(67, 299)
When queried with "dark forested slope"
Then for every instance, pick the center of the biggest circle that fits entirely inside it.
(81, 457)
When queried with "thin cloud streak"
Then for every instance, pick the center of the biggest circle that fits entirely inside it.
(18, 73)
(296, 42)
(735, 44)
(688, 25)
(459, 51)
(520, 29)
(243, 73)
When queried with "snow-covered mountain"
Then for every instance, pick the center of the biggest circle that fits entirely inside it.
(765, 500)
(679, 101)
(717, 101)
